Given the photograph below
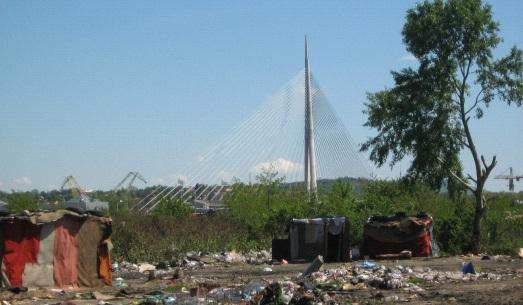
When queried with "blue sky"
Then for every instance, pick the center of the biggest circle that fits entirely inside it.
(96, 89)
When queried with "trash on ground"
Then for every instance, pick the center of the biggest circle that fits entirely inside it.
(314, 266)
(468, 268)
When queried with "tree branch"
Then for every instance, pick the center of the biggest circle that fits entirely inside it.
(456, 86)
(464, 143)
(458, 178)
(488, 168)
(470, 178)
(476, 102)
(462, 69)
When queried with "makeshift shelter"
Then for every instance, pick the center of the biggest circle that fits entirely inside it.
(4, 207)
(309, 238)
(86, 203)
(394, 234)
(55, 249)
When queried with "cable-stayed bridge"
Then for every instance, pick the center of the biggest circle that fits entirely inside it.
(295, 132)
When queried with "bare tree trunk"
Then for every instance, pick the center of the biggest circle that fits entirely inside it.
(476, 224)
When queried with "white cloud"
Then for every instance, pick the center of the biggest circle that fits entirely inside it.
(200, 158)
(408, 57)
(280, 165)
(23, 181)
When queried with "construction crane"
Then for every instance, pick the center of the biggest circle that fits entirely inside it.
(510, 177)
(132, 176)
(72, 184)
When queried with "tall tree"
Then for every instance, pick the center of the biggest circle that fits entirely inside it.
(426, 115)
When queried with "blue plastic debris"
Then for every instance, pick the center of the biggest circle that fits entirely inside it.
(368, 264)
(468, 268)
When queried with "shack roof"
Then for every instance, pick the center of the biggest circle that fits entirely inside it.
(40, 217)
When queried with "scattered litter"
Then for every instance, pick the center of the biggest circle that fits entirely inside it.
(119, 282)
(234, 257)
(314, 266)
(392, 282)
(252, 289)
(114, 266)
(368, 264)
(143, 268)
(405, 254)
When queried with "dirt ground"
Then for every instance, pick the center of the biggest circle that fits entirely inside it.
(508, 289)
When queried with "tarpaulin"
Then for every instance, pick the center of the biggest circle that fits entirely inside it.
(418, 247)
(90, 236)
(66, 251)
(104, 258)
(393, 234)
(318, 236)
(21, 246)
(43, 249)
(396, 230)
(40, 274)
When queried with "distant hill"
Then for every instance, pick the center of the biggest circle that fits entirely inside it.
(326, 184)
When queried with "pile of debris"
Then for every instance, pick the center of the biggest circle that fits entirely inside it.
(191, 260)
(327, 285)
(398, 283)
(354, 282)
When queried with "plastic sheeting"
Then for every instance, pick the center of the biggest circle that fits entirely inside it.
(40, 274)
(21, 246)
(420, 247)
(311, 237)
(66, 251)
(104, 254)
(90, 236)
(46, 249)
(393, 234)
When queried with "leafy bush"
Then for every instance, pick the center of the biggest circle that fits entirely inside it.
(166, 237)
(173, 207)
(503, 227)
(18, 202)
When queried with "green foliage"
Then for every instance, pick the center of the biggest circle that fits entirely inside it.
(18, 202)
(173, 207)
(417, 281)
(139, 237)
(503, 227)
(339, 200)
(266, 206)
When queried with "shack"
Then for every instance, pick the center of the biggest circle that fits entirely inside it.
(55, 249)
(384, 235)
(4, 207)
(86, 203)
(308, 238)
